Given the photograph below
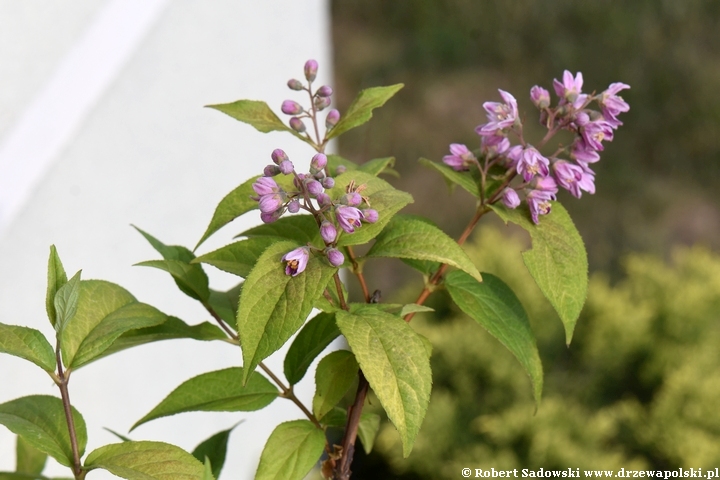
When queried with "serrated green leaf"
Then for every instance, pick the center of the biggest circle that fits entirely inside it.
(414, 308)
(377, 166)
(337, 417)
(225, 303)
(557, 261)
(394, 361)
(273, 305)
(146, 461)
(334, 376)
(464, 179)
(40, 420)
(237, 258)
(300, 228)
(28, 459)
(56, 278)
(218, 391)
(313, 338)
(408, 237)
(213, 451)
(291, 451)
(367, 430)
(104, 312)
(29, 344)
(360, 110)
(494, 306)
(335, 161)
(231, 207)
(65, 302)
(257, 114)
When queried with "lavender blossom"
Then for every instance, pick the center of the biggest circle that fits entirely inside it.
(348, 218)
(570, 89)
(529, 162)
(500, 115)
(613, 105)
(296, 261)
(460, 159)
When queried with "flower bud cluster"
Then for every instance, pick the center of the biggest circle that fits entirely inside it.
(345, 213)
(569, 166)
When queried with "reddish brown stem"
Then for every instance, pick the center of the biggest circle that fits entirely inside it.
(342, 469)
(62, 383)
(359, 274)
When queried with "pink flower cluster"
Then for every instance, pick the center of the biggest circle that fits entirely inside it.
(569, 166)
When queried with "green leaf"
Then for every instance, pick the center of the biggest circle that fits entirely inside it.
(29, 344)
(29, 459)
(225, 303)
(146, 461)
(237, 258)
(378, 166)
(231, 207)
(337, 417)
(300, 228)
(367, 430)
(104, 312)
(273, 305)
(394, 360)
(557, 261)
(218, 391)
(40, 420)
(56, 279)
(257, 114)
(214, 451)
(414, 308)
(335, 161)
(121, 437)
(409, 237)
(291, 451)
(334, 376)
(322, 303)
(494, 306)
(464, 179)
(360, 110)
(314, 337)
(65, 301)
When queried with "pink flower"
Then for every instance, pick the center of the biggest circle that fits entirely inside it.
(568, 176)
(500, 115)
(570, 89)
(296, 261)
(349, 218)
(594, 132)
(539, 204)
(540, 97)
(265, 186)
(529, 162)
(460, 158)
(612, 104)
(493, 145)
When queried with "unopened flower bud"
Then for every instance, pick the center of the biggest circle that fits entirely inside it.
(328, 232)
(314, 187)
(278, 156)
(271, 170)
(324, 91)
(290, 107)
(311, 68)
(540, 97)
(332, 118)
(370, 215)
(298, 180)
(335, 257)
(340, 169)
(286, 167)
(297, 124)
(294, 84)
(353, 199)
(328, 182)
(293, 206)
(271, 217)
(321, 103)
(319, 160)
(510, 198)
(323, 199)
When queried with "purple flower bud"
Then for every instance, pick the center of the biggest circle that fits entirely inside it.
(370, 215)
(311, 68)
(340, 169)
(323, 199)
(271, 217)
(278, 156)
(314, 187)
(297, 124)
(348, 218)
(540, 97)
(286, 167)
(296, 261)
(332, 118)
(510, 198)
(325, 91)
(319, 160)
(265, 186)
(291, 108)
(321, 103)
(271, 170)
(293, 206)
(328, 182)
(328, 232)
(335, 257)
(298, 180)
(270, 203)
(353, 199)
(294, 84)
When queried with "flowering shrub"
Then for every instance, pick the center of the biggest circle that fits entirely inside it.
(289, 268)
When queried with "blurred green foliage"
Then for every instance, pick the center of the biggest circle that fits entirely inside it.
(639, 387)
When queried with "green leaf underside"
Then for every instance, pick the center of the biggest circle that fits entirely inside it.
(334, 376)
(28, 459)
(40, 420)
(291, 451)
(56, 278)
(231, 207)
(225, 303)
(104, 312)
(299, 228)
(464, 179)
(557, 261)
(414, 308)
(312, 339)
(214, 449)
(146, 461)
(189, 278)
(360, 110)
(27, 343)
(237, 258)
(496, 308)
(66, 300)
(395, 363)
(409, 237)
(367, 430)
(273, 305)
(218, 391)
